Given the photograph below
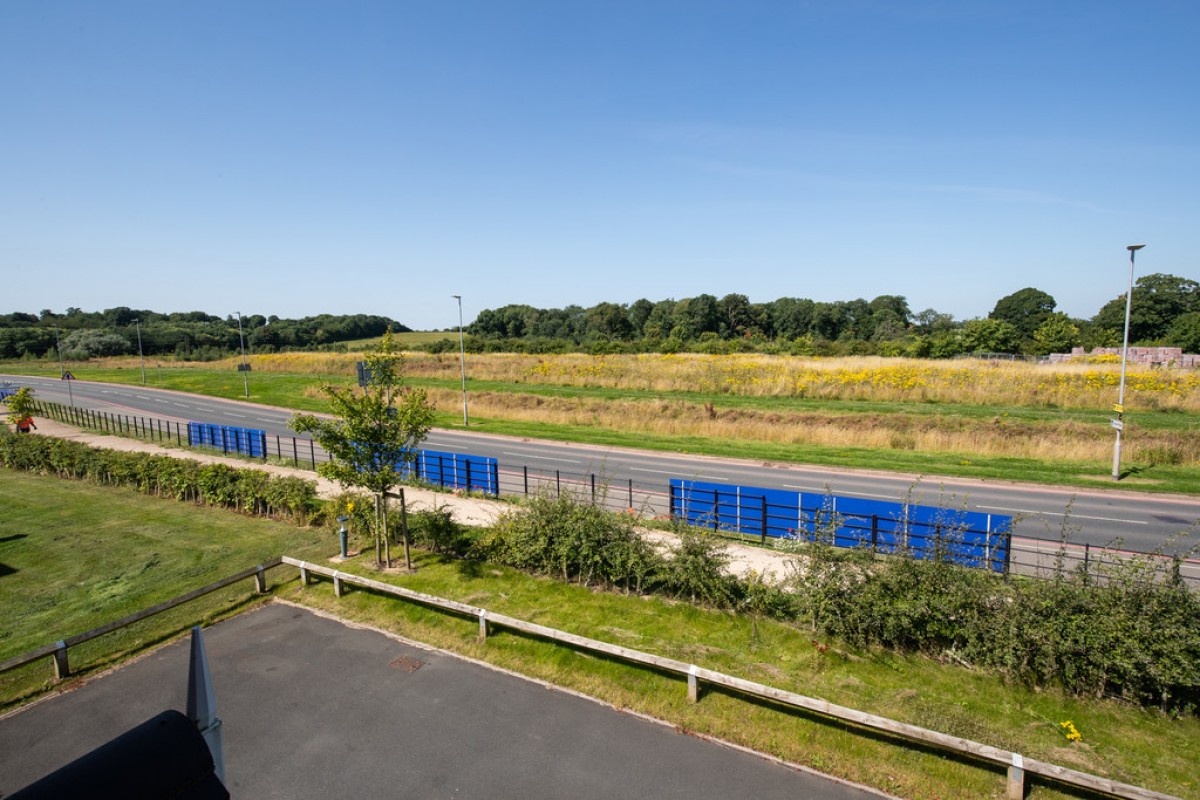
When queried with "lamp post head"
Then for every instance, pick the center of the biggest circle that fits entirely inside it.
(1134, 247)
(457, 296)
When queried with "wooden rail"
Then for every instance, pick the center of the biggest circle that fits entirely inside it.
(58, 650)
(1015, 764)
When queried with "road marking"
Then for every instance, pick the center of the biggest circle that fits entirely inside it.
(546, 458)
(824, 489)
(1072, 516)
(181, 405)
(260, 419)
(141, 397)
(655, 471)
(239, 416)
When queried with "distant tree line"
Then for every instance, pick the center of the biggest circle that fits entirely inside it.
(1166, 311)
(194, 335)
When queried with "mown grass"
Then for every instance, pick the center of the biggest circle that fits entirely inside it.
(75, 556)
(983, 438)
(78, 556)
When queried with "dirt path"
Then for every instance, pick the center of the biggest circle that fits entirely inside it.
(465, 510)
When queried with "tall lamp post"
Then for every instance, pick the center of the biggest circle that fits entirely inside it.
(141, 357)
(245, 367)
(462, 355)
(58, 349)
(1119, 422)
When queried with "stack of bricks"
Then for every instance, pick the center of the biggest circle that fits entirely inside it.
(1145, 356)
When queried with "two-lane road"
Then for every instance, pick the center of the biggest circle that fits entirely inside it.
(1143, 522)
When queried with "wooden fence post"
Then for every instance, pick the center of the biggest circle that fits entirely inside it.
(693, 686)
(260, 580)
(1016, 778)
(62, 667)
(483, 625)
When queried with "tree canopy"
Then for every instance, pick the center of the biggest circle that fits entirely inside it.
(372, 439)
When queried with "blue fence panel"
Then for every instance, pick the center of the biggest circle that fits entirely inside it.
(969, 538)
(228, 438)
(458, 471)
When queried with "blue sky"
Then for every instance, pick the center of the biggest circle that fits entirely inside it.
(294, 158)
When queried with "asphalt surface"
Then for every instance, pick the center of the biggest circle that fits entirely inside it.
(315, 708)
(1098, 518)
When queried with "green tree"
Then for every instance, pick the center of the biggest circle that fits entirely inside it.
(1158, 300)
(1185, 332)
(989, 336)
(374, 435)
(1058, 334)
(1025, 310)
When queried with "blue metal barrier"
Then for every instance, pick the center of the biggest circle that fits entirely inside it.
(228, 439)
(458, 471)
(969, 538)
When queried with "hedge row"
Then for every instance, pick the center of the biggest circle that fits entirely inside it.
(1126, 632)
(251, 491)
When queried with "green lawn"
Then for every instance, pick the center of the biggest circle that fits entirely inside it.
(76, 556)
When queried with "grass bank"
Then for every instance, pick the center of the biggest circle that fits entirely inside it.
(78, 556)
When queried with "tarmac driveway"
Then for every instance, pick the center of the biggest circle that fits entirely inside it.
(315, 708)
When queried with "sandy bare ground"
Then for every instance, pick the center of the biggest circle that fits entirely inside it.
(465, 510)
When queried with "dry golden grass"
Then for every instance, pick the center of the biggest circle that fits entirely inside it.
(1076, 386)
(997, 436)
(1069, 385)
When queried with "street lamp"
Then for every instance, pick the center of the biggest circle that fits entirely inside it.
(1119, 422)
(462, 355)
(138, 323)
(58, 349)
(245, 367)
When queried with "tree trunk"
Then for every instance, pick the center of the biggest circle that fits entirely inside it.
(378, 544)
(404, 529)
(383, 531)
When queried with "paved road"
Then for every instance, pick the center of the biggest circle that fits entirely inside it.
(313, 708)
(1098, 518)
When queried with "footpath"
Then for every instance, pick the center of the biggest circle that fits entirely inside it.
(473, 511)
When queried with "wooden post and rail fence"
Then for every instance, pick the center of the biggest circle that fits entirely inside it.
(1015, 765)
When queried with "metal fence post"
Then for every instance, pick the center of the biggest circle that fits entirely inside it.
(557, 484)
(763, 537)
(525, 472)
(468, 461)
(593, 477)
(670, 500)
(631, 494)
(496, 477)
(312, 452)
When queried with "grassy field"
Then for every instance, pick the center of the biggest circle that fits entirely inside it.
(1044, 423)
(74, 556)
(78, 555)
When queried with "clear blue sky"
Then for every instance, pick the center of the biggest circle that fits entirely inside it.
(296, 157)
